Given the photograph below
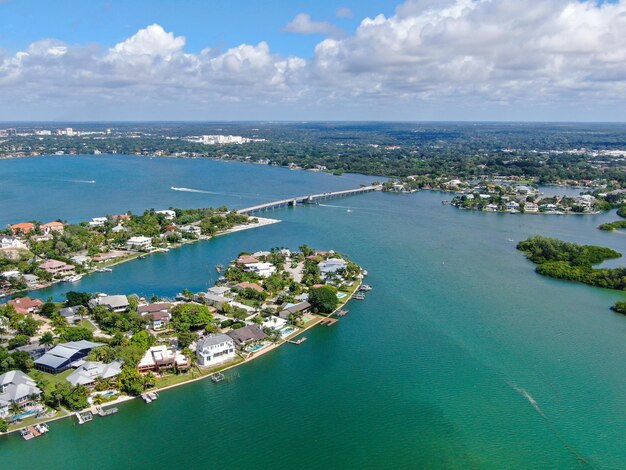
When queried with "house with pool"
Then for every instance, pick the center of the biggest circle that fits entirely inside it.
(17, 388)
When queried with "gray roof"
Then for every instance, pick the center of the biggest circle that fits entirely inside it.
(69, 311)
(247, 334)
(114, 301)
(212, 340)
(297, 308)
(332, 265)
(92, 370)
(62, 352)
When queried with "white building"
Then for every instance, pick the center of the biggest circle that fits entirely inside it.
(98, 221)
(215, 349)
(10, 242)
(169, 214)
(262, 269)
(139, 243)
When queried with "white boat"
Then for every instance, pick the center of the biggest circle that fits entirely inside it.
(75, 278)
(146, 398)
(103, 270)
(153, 396)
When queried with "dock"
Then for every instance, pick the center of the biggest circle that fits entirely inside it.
(217, 377)
(297, 341)
(108, 412)
(30, 432)
(84, 416)
(309, 199)
(328, 321)
(342, 313)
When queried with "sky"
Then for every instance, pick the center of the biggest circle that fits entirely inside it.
(510, 60)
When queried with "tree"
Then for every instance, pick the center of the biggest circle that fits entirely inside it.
(76, 333)
(143, 339)
(48, 309)
(185, 338)
(17, 341)
(47, 339)
(28, 326)
(4, 426)
(77, 298)
(130, 381)
(324, 299)
(194, 315)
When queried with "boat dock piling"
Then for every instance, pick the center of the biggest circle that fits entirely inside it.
(297, 341)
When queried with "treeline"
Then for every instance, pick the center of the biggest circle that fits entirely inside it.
(569, 261)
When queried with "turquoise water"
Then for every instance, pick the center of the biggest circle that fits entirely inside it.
(461, 356)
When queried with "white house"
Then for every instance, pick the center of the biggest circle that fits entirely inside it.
(169, 214)
(139, 243)
(331, 266)
(262, 269)
(215, 349)
(10, 242)
(98, 221)
(17, 388)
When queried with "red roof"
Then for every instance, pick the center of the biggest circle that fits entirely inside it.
(24, 304)
(250, 285)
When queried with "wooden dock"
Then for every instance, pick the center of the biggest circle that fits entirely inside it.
(342, 313)
(328, 321)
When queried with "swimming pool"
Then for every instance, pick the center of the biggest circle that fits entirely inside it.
(286, 331)
(256, 347)
(341, 295)
(26, 414)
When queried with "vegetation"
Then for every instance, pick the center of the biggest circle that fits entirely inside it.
(323, 299)
(572, 262)
(619, 307)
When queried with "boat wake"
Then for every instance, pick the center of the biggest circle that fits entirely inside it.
(84, 181)
(581, 458)
(530, 399)
(191, 190)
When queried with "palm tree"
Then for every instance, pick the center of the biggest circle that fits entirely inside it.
(15, 408)
(47, 339)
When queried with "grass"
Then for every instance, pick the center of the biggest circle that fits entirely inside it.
(86, 324)
(173, 379)
(50, 379)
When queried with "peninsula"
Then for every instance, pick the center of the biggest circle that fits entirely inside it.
(97, 349)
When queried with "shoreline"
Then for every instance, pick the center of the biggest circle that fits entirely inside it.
(252, 357)
(262, 222)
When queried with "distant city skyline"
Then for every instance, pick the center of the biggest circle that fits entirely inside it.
(418, 60)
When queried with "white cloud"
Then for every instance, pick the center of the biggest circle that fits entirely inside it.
(303, 24)
(451, 58)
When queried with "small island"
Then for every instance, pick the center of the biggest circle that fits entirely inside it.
(571, 262)
(74, 357)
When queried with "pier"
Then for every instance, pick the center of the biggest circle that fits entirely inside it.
(310, 199)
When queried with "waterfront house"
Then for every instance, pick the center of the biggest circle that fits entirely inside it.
(213, 299)
(331, 266)
(158, 313)
(52, 227)
(9, 242)
(90, 371)
(214, 349)
(531, 207)
(26, 305)
(294, 309)
(22, 228)
(57, 268)
(162, 357)
(63, 356)
(17, 388)
(219, 290)
(193, 229)
(262, 269)
(247, 334)
(246, 259)
(139, 243)
(115, 303)
(275, 323)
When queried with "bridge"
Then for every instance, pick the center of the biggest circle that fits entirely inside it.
(310, 199)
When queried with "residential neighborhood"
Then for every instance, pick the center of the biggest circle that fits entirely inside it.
(96, 349)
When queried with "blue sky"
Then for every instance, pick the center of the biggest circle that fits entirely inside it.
(528, 60)
(208, 23)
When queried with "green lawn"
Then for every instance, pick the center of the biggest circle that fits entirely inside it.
(50, 379)
(86, 324)
(172, 379)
